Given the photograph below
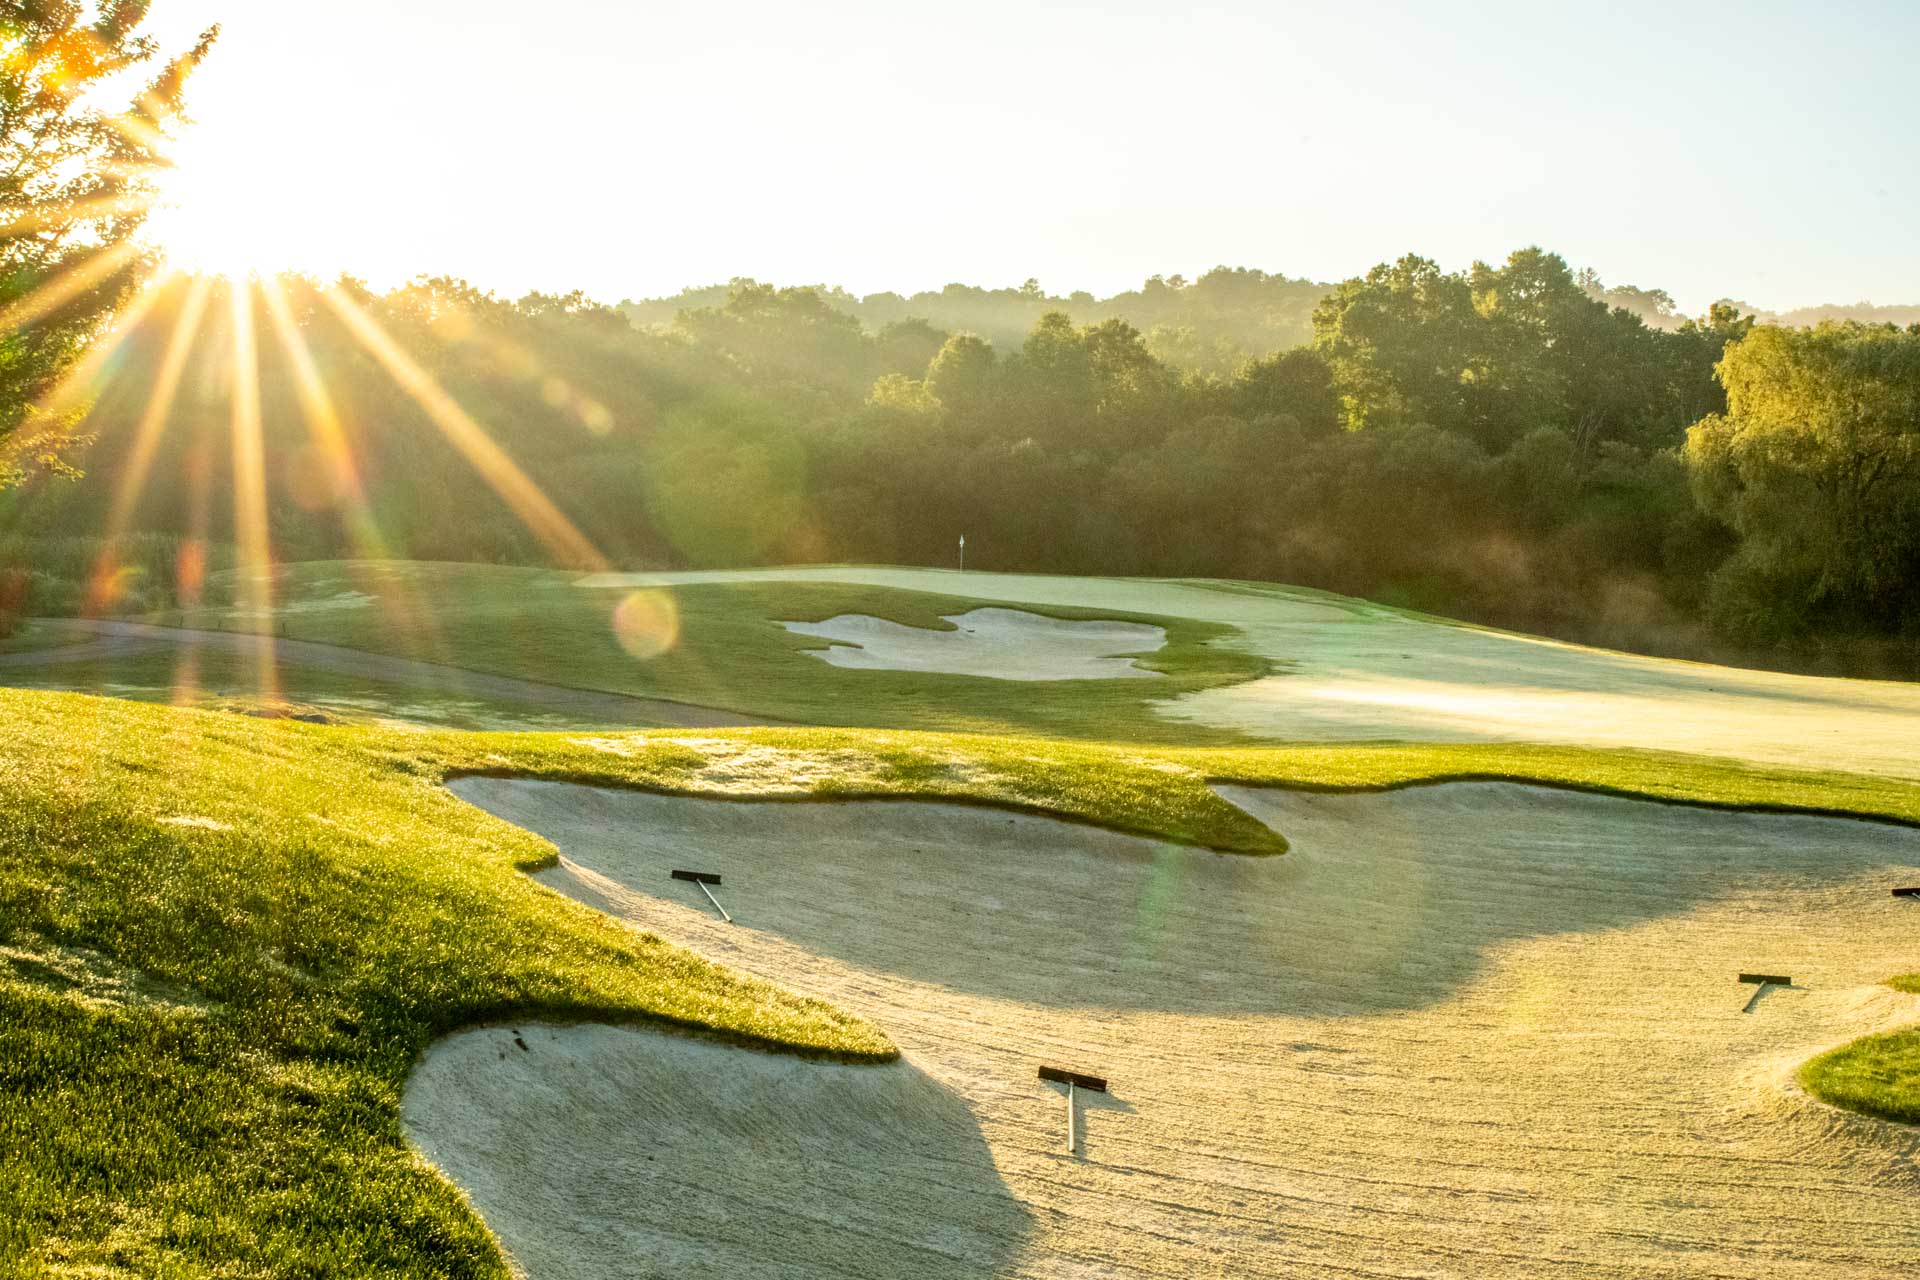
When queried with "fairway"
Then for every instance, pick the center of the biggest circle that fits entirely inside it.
(1355, 671)
(1451, 1019)
(1241, 663)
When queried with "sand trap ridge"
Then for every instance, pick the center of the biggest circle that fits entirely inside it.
(1006, 644)
(1472, 1030)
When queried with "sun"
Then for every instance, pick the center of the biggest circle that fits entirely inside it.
(218, 214)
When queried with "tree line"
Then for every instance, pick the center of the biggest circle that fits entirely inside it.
(1497, 443)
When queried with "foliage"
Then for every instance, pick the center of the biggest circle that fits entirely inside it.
(1497, 444)
(1210, 324)
(76, 180)
(1816, 464)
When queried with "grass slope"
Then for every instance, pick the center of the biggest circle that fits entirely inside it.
(35, 635)
(224, 940)
(730, 651)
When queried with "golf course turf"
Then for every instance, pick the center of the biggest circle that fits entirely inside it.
(225, 940)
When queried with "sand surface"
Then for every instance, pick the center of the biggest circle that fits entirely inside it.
(1005, 644)
(1479, 1030)
(1360, 672)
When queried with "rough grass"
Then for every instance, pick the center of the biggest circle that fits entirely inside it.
(1876, 1075)
(224, 940)
(534, 624)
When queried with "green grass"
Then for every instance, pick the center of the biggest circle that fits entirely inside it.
(1876, 1075)
(205, 1027)
(731, 653)
(222, 681)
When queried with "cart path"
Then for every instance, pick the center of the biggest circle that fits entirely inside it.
(118, 639)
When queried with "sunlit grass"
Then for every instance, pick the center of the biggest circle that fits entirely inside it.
(1875, 1075)
(306, 909)
(225, 940)
(729, 652)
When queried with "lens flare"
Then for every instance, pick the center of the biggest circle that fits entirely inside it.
(253, 541)
(647, 624)
(534, 508)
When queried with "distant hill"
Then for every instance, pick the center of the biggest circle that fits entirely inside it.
(1213, 323)
(1902, 314)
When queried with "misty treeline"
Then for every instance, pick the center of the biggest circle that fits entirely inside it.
(1213, 323)
(1498, 444)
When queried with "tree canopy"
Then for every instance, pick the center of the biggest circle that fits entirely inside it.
(76, 181)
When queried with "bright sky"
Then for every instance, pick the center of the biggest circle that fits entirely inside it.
(1766, 151)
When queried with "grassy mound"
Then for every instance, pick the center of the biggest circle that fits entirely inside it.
(222, 942)
(1875, 1075)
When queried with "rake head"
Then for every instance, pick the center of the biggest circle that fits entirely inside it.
(1060, 1075)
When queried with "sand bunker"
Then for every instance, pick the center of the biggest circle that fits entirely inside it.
(715, 1162)
(1472, 1030)
(1006, 644)
(1360, 672)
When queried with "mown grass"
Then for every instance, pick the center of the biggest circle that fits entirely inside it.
(1876, 1075)
(216, 680)
(205, 1025)
(731, 652)
(330, 910)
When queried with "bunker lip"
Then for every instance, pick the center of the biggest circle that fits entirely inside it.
(1478, 1026)
(1002, 644)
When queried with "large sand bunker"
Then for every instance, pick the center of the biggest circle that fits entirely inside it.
(1471, 1030)
(1358, 672)
(1006, 644)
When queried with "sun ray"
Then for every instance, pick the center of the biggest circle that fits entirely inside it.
(49, 424)
(146, 440)
(252, 540)
(568, 545)
(77, 211)
(54, 293)
(323, 423)
(329, 435)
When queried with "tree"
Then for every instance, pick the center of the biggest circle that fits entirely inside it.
(76, 182)
(1816, 465)
(1403, 344)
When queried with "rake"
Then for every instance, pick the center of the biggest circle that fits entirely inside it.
(1763, 981)
(1073, 1080)
(703, 879)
